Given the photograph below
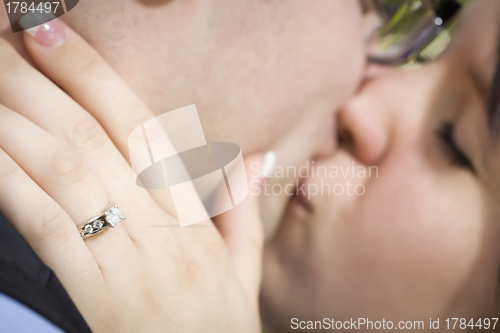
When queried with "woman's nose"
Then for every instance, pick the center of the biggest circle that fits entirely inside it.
(364, 128)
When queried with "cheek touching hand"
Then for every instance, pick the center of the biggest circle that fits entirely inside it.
(64, 158)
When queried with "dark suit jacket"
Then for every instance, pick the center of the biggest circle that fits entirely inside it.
(25, 278)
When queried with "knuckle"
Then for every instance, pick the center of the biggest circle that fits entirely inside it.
(136, 116)
(86, 134)
(45, 222)
(155, 134)
(68, 167)
(8, 170)
(90, 67)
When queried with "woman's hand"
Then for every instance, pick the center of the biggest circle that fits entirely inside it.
(63, 159)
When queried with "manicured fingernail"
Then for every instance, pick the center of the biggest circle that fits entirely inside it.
(50, 34)
(268, 164)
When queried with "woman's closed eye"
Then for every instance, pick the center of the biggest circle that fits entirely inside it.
(450, 150)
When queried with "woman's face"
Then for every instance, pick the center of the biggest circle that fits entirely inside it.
(421, 240)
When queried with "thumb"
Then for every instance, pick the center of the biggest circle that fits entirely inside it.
(241, 227)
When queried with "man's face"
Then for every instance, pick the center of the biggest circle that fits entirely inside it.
(266, 75)
(419, 238)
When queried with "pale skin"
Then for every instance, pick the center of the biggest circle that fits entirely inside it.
(52, 157)
(468, 268)
(266, 75)
(64, 154)
(423, 241)
(434, 256)
(369, 267)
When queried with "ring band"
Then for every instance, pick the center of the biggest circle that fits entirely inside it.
(110, 217)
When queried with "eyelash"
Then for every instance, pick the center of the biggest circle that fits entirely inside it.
(454, 155)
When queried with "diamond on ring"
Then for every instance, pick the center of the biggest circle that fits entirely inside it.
(114, 216)
(110, 217)
(98, 224)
